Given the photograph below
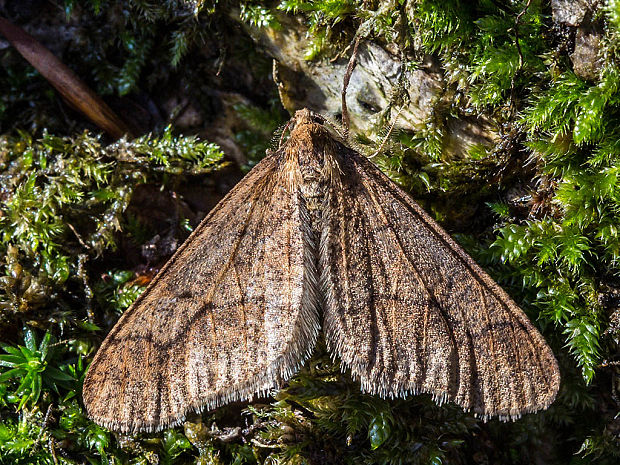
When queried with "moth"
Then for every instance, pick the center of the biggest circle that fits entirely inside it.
(316, 238)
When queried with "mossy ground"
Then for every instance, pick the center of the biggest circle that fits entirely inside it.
(85, 221)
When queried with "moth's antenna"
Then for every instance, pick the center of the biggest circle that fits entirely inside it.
(389, 133)
(288, 125)
(345, 84)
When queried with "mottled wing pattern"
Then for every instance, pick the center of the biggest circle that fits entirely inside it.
(409, 311)
(231, 314)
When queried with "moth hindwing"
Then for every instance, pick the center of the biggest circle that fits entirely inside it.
(315, 236)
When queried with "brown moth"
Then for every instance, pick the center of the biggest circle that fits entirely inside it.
(315, 236)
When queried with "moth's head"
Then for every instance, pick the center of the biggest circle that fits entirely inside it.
(311, 131)
(307, 121)
(306, 116)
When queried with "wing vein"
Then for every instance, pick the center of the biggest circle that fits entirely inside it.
(233, 254)
(418, 275)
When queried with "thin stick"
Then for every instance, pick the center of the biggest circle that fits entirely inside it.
(516, 29)
(345, 84)
(520, 52)
(79, 238)
(71, 87)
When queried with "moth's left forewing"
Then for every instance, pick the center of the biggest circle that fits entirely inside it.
(407, 310)
(231, 314)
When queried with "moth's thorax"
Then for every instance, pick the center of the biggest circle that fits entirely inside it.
(312, 146)
(314, 149)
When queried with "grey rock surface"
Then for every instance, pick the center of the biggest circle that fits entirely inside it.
(379, 74)
(571, 12)
(586, 59)
(580, 14)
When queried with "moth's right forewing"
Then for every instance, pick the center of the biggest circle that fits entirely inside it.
(408, 311)
(231, 313)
